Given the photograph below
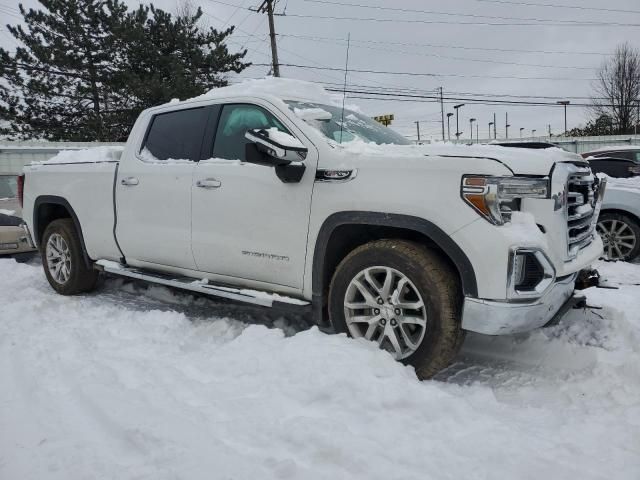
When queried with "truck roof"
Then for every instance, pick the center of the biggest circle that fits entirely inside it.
(270, 88)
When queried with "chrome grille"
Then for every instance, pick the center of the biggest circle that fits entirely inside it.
(581, 209)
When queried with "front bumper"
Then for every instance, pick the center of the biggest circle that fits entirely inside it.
(492, 317)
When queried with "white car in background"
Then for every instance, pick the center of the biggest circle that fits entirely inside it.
(619, 221)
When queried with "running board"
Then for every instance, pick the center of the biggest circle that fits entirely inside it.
(254, 297)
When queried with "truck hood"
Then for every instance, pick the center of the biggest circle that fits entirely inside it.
(521, 161)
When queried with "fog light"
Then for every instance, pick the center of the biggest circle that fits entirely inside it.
(530, 273)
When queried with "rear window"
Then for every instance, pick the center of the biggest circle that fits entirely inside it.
(8, 186)
(176, 135)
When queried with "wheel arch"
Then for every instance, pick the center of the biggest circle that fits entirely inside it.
(48, 208)
(343, 231)
(621, 211)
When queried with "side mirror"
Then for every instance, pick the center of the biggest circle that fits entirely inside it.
(280, 148)
(277, 149)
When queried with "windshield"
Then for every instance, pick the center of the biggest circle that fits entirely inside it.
(327, 119)
(8, 186)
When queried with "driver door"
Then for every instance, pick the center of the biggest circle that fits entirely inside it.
(247, 225)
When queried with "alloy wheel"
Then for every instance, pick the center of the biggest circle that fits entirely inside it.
(618, 238)
(382, 305)
(58, 258)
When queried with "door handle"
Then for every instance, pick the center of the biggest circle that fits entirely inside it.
(130, 181)
(209, 183)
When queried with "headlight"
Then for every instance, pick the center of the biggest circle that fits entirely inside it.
(496, 197)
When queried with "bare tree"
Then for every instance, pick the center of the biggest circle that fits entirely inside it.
(617, 88)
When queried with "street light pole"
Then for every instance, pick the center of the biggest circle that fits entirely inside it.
(495, 127)
(418, 129)
(489, 137)
(533, 133)
(521, 129)
(449, 115)
(471, 120)
(458, 132)
(564, 103)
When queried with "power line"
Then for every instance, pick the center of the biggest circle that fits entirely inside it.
(554, 23)
(464, 59)
(574, 7)
(435, 75)
(452, 14)
(388, 96)
(460, 47)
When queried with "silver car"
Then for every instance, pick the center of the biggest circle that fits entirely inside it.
(13, 236)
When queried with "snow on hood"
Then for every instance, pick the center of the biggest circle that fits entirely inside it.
(521, 161)
(86, 155)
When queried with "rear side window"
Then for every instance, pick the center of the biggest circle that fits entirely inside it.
(177, 135)
(614, 168)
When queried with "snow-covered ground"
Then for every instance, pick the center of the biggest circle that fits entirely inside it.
(138, 382)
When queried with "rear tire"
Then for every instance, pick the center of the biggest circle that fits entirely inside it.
(403, 296)
(63, 259)
(620, 235)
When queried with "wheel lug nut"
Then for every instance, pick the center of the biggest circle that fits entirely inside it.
(393, 322)
(376, 311)
(383, 322)
(380, 301)
(397, 311)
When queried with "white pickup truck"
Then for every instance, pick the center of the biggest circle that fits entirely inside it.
(268, 192)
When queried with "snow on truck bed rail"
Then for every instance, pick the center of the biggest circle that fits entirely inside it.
(86, 155)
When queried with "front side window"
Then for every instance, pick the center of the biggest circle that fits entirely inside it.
(234, 122)
(176, 135)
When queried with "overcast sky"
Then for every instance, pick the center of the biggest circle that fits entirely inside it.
(554, 50)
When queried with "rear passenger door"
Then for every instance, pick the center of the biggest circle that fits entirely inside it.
(153, 190)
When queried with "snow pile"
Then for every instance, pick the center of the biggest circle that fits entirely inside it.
(281, 88)
(7, 212)
(135, 382)
(284, 139)
(314, 113)
(87, 155)
(631, 183)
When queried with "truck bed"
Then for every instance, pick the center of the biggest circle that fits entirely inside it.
(89, 188)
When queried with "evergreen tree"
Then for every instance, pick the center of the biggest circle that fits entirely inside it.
(88, 67)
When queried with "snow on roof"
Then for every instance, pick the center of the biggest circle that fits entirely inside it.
(282, 88)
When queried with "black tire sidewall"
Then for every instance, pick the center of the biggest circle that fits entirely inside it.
(81, 278)
(430, 291)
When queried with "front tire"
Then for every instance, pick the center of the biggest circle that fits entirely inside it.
(63, 259)
(620, 235)
(403, 296)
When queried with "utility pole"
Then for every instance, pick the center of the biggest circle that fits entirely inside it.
(442, 112)
(267, 6)
(458, 132)
(495, 125)
(449, 115)
(477, 132)
(471, 120)
(506, 125)
(549, 126)
(489, 137)
(418, 129)
(564, 103)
